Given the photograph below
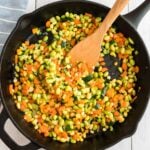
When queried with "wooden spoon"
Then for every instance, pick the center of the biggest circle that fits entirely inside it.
(88, 50)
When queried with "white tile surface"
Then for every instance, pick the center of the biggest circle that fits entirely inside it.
(15, 134)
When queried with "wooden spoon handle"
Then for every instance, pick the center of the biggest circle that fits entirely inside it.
(111, 17)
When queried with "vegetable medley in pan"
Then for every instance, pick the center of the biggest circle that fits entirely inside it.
(68, 102)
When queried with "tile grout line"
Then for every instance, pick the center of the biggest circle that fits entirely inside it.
(10, 8)
(35, 4)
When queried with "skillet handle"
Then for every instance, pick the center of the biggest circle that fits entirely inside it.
(7, 140)
(135, 16)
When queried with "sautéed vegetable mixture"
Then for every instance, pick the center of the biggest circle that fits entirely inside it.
(68, 102)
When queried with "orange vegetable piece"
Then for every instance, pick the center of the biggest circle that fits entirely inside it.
(104, 69)
(44, 129)
(77, 21)
(110, 92)
(26, 43)
(23, 105)
(124, 74)
(16, 59)
(63, 135)
(11, 89)
(124, 66)
(72, 42)
(60, 109)
(48, 23)
(35, 30)
(136, 69)
(88, 14)
(27, 118)
(25, 89)
(99, 83)
(124, 103)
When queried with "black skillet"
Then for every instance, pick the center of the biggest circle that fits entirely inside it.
(126, 24)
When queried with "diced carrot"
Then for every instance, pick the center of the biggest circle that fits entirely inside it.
(101, 102)
(26, 43)
(43, 108)
(124, 66)
(116, 113)
(120, 118)
(79, 31)
(44, 129)
(120, 56)
(27, 118)
(16, 88)
(36, 81)
(76, 136)
(96, 113)
(61, 26)
(50, 110)
(18, 50)
(72, 42)
(11, 89)
(104, 69)
(91, 30)
(16, 59)
(110, 92)
(40, 120)
(60, 109)
(29, 68)
(88, 14)
(120, 97)
(124, 74)
(116, 98)
(23, 105)
(99, 83)
(51, 103)
(37, 90)
(108, 108)
(122, 89)
(124, 103)
(101, 59)
(69, 103)
(136, 69)
(25, 89)
(102, 63)
(119, 38)
(48, 23)
(81, 101)
(125, 55)
(44, 44)
(63, 135)
(32, 46)
(23, 80)
(56, 129)
(34, 30)
(77, 21)
(36, 65)
(78, 110)
(129, 85)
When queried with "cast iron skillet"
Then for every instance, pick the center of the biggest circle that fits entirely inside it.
(38, 18)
